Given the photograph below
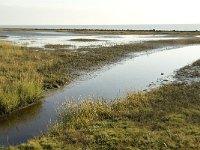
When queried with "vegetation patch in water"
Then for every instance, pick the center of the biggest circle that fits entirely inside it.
(85, 40)
(3, 36)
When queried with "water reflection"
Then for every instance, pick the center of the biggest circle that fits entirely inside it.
(11, 126)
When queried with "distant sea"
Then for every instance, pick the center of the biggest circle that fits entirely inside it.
(165, 27)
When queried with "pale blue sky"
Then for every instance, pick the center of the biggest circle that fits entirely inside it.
(85, 12)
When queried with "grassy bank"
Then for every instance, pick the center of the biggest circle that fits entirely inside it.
(26, 72)
(164, 118)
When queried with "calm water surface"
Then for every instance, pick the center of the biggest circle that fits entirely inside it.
(133, 74)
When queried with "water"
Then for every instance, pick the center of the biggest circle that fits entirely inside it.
(133, 74)
(166, 27)
(40, 39)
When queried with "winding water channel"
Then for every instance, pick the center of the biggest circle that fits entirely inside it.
(134, 73)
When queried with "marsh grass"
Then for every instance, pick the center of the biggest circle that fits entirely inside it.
(164, 118)
(25, 72)
(20, 83)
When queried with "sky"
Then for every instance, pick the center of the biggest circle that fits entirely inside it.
(98, 12)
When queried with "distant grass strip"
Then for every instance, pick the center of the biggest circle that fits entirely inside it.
(3, 36)
(164, 118)
(110, 32)
(85, 40)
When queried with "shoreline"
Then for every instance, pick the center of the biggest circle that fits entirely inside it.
(109, 32)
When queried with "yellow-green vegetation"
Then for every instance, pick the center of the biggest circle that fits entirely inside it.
(20, 83)
(164, 118)
(26, 72)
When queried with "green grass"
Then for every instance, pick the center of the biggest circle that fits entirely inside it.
(164, 118)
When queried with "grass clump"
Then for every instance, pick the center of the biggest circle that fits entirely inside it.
(20, 83)
(164, 118)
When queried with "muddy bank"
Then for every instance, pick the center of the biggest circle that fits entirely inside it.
(189, 73)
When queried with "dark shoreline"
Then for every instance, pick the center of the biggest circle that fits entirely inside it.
(104, 31)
